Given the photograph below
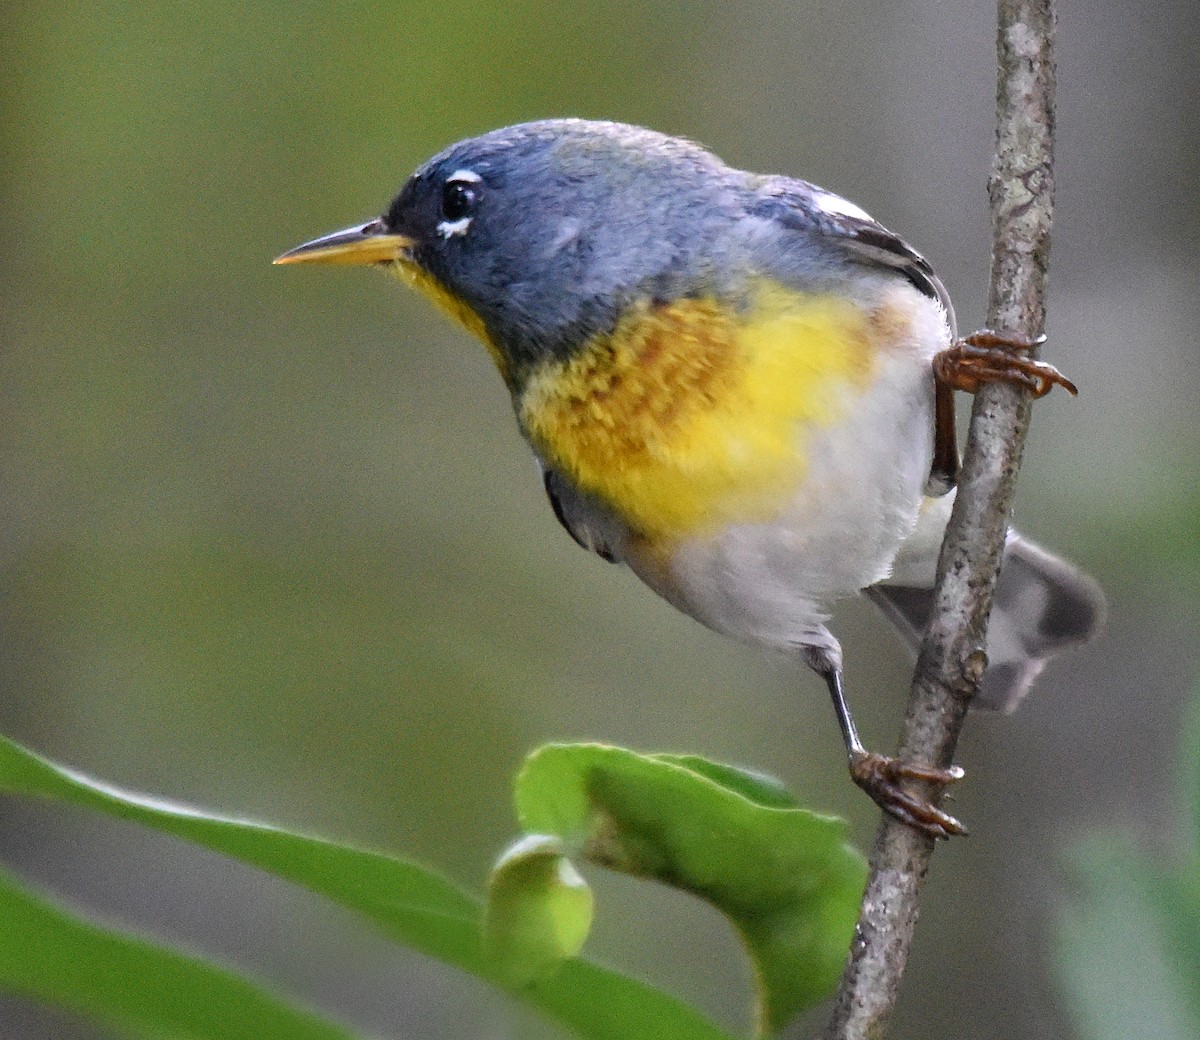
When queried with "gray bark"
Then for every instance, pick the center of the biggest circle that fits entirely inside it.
(1021, 189)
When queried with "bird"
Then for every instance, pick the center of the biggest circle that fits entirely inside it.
(740, 386)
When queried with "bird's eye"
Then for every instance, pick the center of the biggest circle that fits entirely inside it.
(458, 199)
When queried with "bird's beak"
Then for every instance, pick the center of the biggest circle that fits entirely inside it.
(370, 243)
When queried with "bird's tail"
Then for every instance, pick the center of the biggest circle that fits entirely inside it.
(1043, 605)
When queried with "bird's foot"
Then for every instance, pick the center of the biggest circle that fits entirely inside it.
(987, 356)
(882, 778)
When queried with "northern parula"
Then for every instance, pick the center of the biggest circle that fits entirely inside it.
(728, 382)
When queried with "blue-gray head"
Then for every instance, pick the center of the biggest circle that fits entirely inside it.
(545, 231)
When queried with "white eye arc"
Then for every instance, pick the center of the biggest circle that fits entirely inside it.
(450, 228)
(460, 193)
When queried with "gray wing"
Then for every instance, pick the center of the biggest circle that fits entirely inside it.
(817, 213)
(591, 525)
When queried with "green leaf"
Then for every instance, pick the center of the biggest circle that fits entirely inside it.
(784, 876)
(759, 788)
(132, 985)
(1129, 947)
(539, 910)
(409, 903)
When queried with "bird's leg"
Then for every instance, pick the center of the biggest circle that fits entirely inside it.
(987, 356)
(882, 777)
(943, 474)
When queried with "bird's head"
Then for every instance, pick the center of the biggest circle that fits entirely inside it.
(536, 237)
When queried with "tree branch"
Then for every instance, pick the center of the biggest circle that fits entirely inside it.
(951, 662)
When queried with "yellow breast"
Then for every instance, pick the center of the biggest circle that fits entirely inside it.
(692, 415)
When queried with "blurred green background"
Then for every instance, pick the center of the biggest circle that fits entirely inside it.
(271, 544)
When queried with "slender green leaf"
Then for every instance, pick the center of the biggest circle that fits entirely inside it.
(784, 876)
(48, 954)
(412, 905)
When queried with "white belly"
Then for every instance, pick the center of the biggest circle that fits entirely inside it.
(772, 583)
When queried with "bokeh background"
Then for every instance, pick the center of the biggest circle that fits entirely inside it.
(269, 542)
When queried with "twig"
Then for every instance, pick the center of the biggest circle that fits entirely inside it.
(951, 660)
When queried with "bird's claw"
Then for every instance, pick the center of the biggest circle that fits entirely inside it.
(987, 356)
(882, 778)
